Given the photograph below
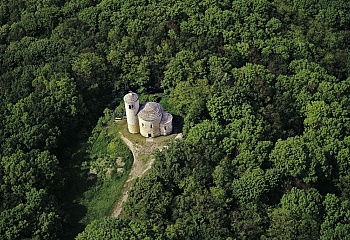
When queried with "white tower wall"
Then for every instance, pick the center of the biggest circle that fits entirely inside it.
(132, 106)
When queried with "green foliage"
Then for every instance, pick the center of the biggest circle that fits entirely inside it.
(206, 132)
(25, 171)
(196, 113)
(113, 228)
(109, 161)
(300, 159)
(297, 217)
(101, 197)
(35, 218)
(326, 121)
(262, 86)
(250, 187)
(336, 219)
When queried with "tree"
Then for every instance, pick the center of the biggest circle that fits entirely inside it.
(296, 158)
(115, 228)
(90, 69)
(183, 67)
(250, 187)
(149, 201)
(326, 122)
(297, 217)
(336, 218)
(244, 131)
(36, 121)
(205, 132)
(35, 218)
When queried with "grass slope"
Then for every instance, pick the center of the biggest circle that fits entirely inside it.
(101, 196)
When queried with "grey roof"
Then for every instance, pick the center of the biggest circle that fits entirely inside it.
(131, 97)
(151, 111)
(166, 118)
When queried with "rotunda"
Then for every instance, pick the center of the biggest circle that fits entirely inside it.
(148, 119)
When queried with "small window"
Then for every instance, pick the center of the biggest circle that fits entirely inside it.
(164, 127)
(130, 106)
(143, 124)
(149, 135)
(151, 125)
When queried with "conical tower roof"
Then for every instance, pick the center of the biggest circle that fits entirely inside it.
(131, 97)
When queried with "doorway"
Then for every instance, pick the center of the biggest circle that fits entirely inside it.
(149, 135)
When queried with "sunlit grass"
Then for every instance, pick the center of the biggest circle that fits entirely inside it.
(102, 195)
(100, 198)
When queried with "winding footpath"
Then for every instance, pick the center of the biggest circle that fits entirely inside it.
(138, 169)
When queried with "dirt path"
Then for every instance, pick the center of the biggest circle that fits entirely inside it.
(139, 168)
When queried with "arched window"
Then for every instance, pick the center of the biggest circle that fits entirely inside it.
(151, 125)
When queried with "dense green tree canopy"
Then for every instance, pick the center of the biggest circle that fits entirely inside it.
(262, 86)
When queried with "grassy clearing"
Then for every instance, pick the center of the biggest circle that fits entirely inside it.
(100, 199)
(107, 182)
(90, 197)
(97, 185)
(145, 147)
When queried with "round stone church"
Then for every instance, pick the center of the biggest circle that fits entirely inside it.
(148, 119)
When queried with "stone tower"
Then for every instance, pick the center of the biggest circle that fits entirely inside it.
(150, 116)
(132, 106)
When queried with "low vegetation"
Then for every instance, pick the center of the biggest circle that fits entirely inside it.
(109, 162)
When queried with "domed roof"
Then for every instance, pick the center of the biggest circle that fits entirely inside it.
(166, 118)
(151, 111)
(131, 97)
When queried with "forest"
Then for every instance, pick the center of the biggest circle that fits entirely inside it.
(262, 86)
